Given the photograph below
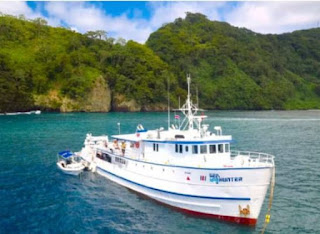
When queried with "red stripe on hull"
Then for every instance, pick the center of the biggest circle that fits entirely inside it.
(238, 220)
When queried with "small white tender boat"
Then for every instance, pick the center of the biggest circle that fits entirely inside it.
(70, 163)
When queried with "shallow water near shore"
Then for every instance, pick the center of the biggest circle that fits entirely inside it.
(37, 197)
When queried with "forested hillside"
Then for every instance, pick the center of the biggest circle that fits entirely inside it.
(233, 68)
(58, 69)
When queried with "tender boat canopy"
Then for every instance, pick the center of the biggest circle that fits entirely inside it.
(66, 154)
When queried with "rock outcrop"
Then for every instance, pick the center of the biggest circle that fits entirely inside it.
(120, 103)
(97, 100)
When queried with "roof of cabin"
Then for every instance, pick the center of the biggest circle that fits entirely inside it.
(173, 137)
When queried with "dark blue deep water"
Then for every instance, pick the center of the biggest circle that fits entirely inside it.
(36, 197)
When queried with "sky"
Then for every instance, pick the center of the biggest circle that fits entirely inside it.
(136, 20)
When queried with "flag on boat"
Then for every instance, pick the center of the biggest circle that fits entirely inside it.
(177, 116)
(202, 116)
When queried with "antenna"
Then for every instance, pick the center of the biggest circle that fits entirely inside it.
(119, 128)
(168, 102)
(197, 96)
(189, 81)
(189, 105)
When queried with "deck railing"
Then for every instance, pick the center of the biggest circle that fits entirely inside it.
(254, 156)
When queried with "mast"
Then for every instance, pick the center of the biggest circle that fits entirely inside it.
(190, 111)
(189, 105)
(197, 96)
(168, 103)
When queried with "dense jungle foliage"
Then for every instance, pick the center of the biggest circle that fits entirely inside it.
(233, 68)
(36, 58)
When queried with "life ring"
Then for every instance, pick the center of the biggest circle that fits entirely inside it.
(137, 144)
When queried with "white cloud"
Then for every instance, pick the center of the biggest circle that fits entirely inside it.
(86, 16)
(18, 8)
(168, 11)
(263, 17)
(275, 17)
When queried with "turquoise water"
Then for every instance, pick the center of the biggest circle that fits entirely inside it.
(36, 197)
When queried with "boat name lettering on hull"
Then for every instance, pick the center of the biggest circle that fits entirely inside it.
(215, 178)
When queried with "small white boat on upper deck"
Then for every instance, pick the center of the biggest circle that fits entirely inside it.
(187, 167)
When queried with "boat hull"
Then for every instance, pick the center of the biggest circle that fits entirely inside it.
(70, 171)
(192, 190)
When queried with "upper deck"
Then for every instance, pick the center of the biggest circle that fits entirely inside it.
(174, 135)
(191, 144)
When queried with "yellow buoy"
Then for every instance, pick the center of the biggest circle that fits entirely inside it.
(267, 218)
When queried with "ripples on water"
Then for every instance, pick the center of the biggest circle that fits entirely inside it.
(36, 197)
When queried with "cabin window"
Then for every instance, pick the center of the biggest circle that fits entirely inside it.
(220, 148)
(212, 149)
(177, 148)
(156, 147)
(194, 149)
(104, 156)
(226, 148)
(203, 149)
(107, 158)
(180, 148)
(120, 160)
(187, 148)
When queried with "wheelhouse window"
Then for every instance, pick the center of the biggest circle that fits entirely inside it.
(194, 149)
(226, 148)
(155, 147)
(179, 148)
(186, 148)
(212, 149)
(203, 149)
(220, 148)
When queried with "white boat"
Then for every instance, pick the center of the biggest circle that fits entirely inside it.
(37, 112)
(187, 167)
(70, 163)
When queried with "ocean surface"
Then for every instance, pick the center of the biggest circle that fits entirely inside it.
(36, 197)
